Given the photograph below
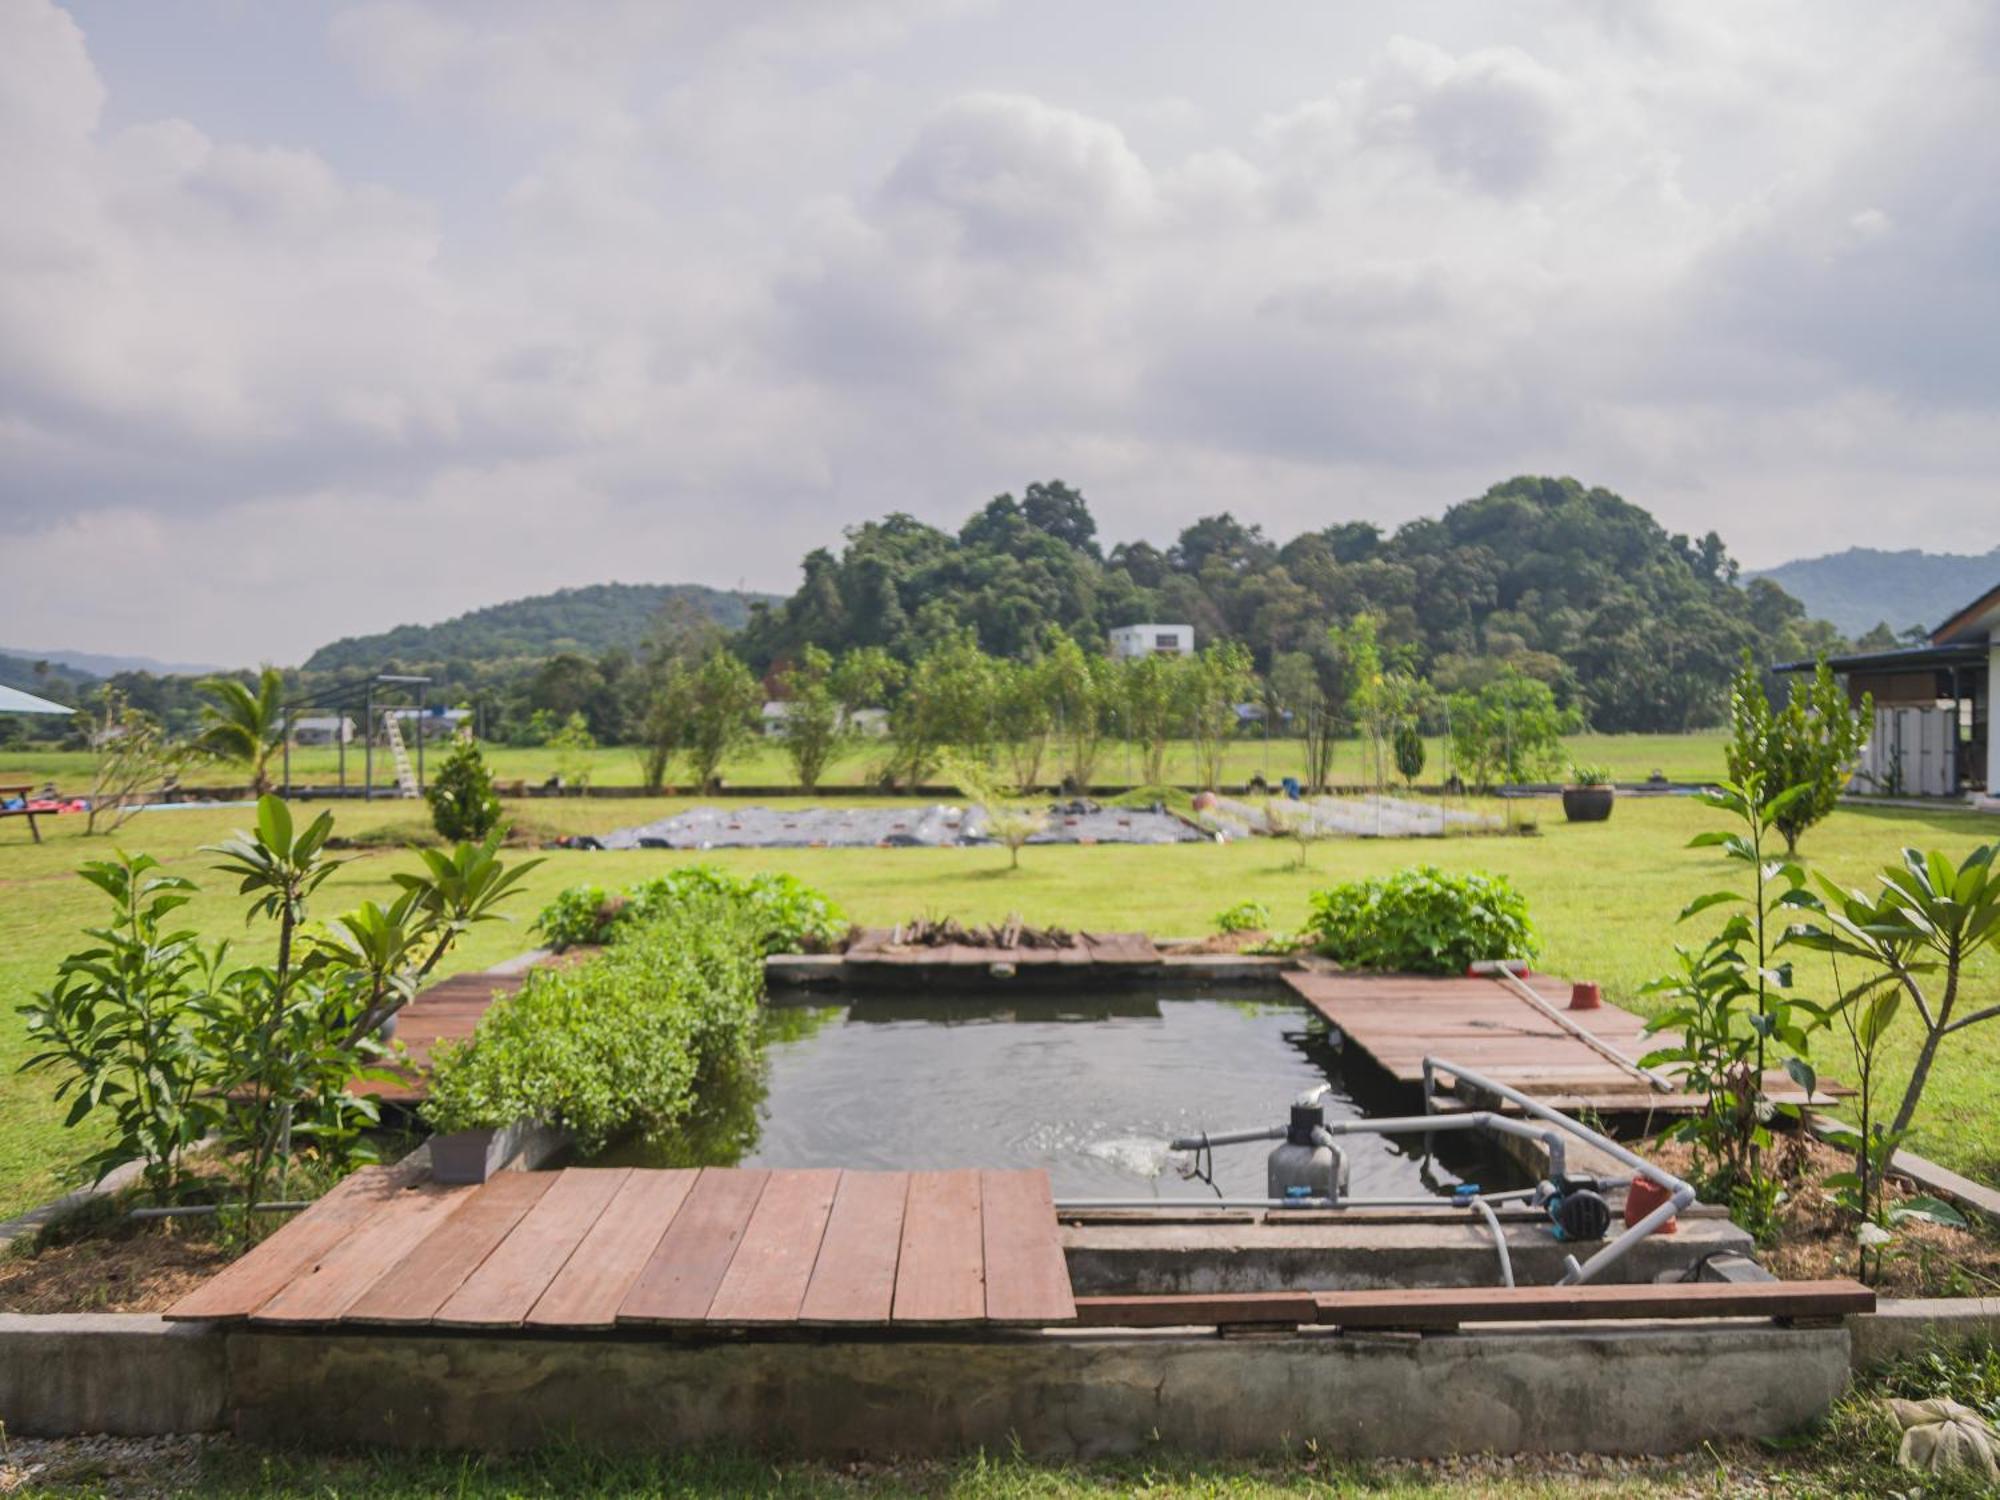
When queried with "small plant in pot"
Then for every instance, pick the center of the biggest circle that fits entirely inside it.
(1588, 797)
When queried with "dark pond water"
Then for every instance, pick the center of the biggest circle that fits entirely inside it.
(1090, 1088)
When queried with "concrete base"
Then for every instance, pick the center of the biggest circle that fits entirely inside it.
(1632, 1389)
(1904, 1326)
(1162, 1259)
(123, 1373)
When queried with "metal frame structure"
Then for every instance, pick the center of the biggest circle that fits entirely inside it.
(347, 695)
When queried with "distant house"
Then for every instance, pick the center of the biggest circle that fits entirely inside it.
(323, 729)
(1933, 733)
(1131, 641)
(870, 723)
(431, 723)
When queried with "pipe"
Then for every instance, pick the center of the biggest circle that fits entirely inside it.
(1227, 1138)
(1485, 1211)
(1680, 1194)
(197, 1210)
(1658, 1081)
(1182, 1205)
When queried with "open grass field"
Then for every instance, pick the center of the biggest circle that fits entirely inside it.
(1629, 757)
(1604, 896)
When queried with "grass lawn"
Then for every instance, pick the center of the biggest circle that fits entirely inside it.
(1604, 896)
(1629, 757)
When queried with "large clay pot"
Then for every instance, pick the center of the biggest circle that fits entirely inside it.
(1588, 804)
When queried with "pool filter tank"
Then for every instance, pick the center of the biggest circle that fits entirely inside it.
(1301, 1166)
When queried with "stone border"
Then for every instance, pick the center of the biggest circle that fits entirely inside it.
(1938, 1181)
(834, 971)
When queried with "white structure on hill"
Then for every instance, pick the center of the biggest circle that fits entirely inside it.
(1130, 641)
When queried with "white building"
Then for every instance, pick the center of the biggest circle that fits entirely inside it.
(868, 723)
(431, 723)
(323, 729)
(1130, 641)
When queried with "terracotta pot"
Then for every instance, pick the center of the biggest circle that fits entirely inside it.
(1588, 804)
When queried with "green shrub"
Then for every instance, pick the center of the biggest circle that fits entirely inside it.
(463, 806)
(787, 915)
(1422, 921)
(1244, 916)
(616, 1044)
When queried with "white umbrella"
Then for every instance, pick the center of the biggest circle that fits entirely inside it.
(14, 701)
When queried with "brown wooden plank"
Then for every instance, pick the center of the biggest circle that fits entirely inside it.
(1027, 1279)
(1285, 1309)
(854, 1280)
(507, 1285)
(418, 1285)
(767, 1277)
(591, 1284)
(324, 1290)
(246, 1284)
(1448, 1307)
(941, 1266)
(688, 1264)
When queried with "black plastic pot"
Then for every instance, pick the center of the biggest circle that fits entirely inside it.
(1588, 804)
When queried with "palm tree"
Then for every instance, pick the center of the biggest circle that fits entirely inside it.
(244, 724)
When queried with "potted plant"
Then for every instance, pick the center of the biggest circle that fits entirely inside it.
(1588, 797)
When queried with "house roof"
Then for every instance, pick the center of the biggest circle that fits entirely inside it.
(1898, 659)
(1978, 621)
(14, 701)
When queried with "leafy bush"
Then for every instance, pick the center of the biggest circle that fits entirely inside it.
(787, 915)
(1580, 775)
(463, 806)
(1244, 916)
(616, 1044)
(1811, 742)
(1422, 921)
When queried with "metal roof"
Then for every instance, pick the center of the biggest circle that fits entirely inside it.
(14, 701)
(1901, 659)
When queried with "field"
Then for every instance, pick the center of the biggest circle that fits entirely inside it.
(1629, 757)
(1604, 896)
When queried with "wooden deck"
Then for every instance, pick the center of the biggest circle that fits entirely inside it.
(601, 1248)
(1399, 1020)
(446, 1012)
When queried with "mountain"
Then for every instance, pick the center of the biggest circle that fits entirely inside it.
(101, 664)
(1865, 586)
(589, 620)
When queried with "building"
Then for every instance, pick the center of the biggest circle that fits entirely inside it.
(1933, 733)
(323, 729)
(1130, 641)
(431, 723)
(866, 723)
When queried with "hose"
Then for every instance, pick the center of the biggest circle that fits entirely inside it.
(1485, 1210)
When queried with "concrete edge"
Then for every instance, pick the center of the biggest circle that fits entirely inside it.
(830, 970)
(1939, 1181)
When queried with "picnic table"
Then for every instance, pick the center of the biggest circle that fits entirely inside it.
(24, 794)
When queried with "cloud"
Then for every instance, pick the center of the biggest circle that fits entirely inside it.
(678, 291)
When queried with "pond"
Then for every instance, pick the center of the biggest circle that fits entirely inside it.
(1090, 1086)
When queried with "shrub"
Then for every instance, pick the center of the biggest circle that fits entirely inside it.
(1811, 742)
(1244, 916)
(616, 1044)
(1580, 775)
(1422, 921)
(787, 915)
(463, 807)
(1409, 748)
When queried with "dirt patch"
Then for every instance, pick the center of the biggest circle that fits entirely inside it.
(1815, 1236)
(1222, 942)
(147, 1270)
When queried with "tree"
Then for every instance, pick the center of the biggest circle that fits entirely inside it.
(1811, 742)
(1368, 703)
(1313, 685)
(725, 696)
(243, 724)
(1217, 680)
(1149, 699)
(1023, 717)
(135, 762)
(1079, 687)
(1409, 752)
(1510, 729)
(463, 805)
(1012, 823)
(572, 744)
(813, 717)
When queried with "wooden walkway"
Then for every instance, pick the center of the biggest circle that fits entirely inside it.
(1400, 1019)
(602, 1248)
(446, 1012)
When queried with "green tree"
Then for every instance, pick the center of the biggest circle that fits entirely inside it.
(572, 744)
(1149, 698)
(244, 724)
(1080, 689)
(1024, 718)
(463, 805)
(1312, 685)
(1811, 742)
(1511, 729)
(1218, 678)
(814, 720)
(1409, 752)
(725, 697)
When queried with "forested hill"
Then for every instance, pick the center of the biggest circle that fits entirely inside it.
(1575, 585)
(588, 621)
(1865, 586)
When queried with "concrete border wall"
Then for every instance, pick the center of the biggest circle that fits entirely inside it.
(125, 1373)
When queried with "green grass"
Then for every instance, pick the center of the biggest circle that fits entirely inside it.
(1603, 895)
(1630, 757)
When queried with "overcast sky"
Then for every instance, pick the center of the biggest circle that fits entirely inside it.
(318, 317)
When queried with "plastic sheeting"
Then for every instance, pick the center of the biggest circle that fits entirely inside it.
(937, 826)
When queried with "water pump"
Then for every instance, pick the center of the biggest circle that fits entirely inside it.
(1307, 1165)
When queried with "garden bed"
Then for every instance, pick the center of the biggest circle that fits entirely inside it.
(115, 1266)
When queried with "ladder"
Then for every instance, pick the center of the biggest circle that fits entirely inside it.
(406, 774)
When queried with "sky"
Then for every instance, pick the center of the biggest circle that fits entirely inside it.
(317, 318)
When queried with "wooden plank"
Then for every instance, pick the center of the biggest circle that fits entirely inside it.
(1284, 1309)
(1449, 1307)
(418, 1285)
(246, 1284)
(679, 1281)
(1027, 1279)
(854, 1280)
(941, 1266)
(506, 1287)
(593, 1282)
(767, 1277)
(324, 1290)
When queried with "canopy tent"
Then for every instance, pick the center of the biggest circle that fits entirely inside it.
(14, 701)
